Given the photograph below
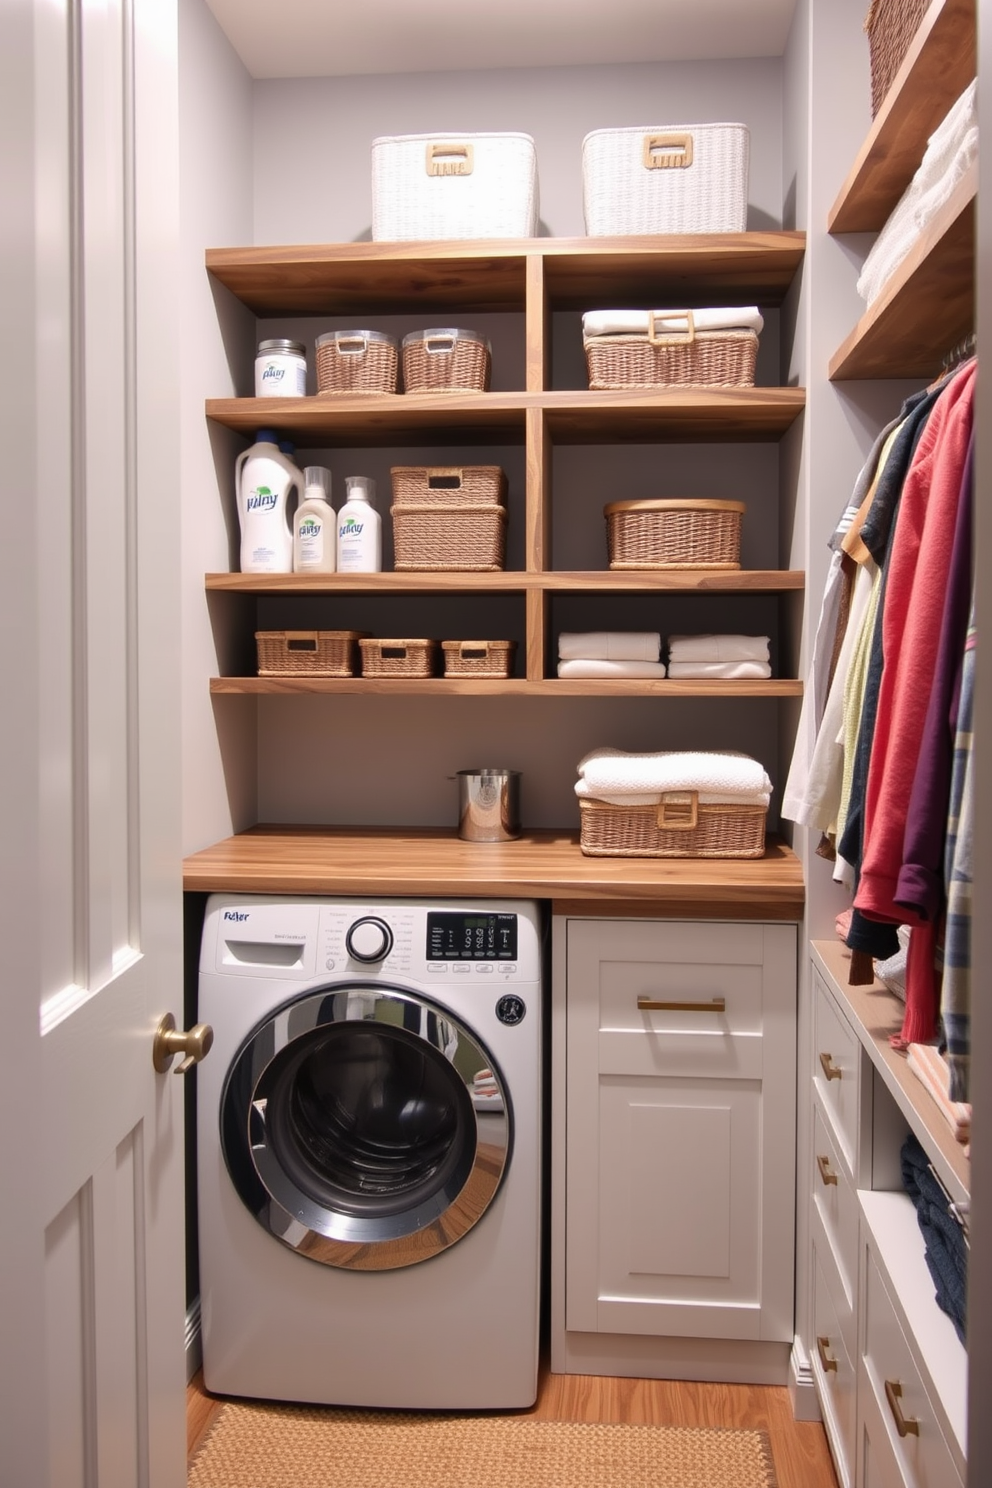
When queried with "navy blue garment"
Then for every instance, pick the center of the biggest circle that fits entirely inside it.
(946, 1250)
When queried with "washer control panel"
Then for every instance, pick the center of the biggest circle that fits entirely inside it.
(461, 935)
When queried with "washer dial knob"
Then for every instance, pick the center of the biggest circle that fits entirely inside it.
(369, 939)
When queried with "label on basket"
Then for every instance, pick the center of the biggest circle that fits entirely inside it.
(450, 160)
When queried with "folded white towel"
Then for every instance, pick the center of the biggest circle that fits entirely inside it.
(592, 667)
(670, 322)
(717, 648)
(610, 645)
(950, 151)
(719, 669)
(615, 772)
(653, 798)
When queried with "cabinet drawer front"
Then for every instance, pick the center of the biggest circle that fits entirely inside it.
(898, 1393)
(835, 1201)
(836, 1072)
(835, 1375)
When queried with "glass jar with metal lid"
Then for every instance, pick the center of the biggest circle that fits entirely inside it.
(281, 369)
(446, 358)
(357, 362)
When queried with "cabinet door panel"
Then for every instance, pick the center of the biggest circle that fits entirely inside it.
(703, 1055)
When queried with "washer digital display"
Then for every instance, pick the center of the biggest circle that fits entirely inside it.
(458, 936)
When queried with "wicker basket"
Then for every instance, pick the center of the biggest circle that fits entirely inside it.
(454, 186)
(478, 658)
(890, 26)
(448, 485)
(677, 178)
(402, 658)
(695, 358)
(679, 827)
(357, 362)
(310, 653)
(446, 360)
(467, 538)
(674, 534)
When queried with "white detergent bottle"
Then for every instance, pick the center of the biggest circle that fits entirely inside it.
(266, 478)
(359, 528)
(314, 525)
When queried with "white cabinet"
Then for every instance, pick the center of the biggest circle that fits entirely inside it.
(675, 1145)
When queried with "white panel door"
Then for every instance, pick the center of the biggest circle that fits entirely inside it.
(93, 1302)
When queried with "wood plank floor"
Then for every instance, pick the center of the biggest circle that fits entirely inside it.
(802, 1458)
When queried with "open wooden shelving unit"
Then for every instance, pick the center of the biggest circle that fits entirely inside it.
(532, 277)
(929, 303)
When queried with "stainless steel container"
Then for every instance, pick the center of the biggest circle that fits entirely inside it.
(488, 805)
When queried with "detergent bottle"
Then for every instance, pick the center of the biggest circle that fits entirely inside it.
(359, 528)
(314, 533)
(265, 478)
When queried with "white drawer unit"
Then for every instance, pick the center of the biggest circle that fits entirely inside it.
(834, 1372)
(836, 1073)
(678, 1130)
(895, 1400)
(835, 1205)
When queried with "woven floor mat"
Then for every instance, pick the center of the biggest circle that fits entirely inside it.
(276, 1446)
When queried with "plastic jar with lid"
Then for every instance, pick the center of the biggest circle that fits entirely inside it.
(281, 369)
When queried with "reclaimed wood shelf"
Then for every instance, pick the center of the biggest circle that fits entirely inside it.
(645, 581)
(547, 687)
(377, 862)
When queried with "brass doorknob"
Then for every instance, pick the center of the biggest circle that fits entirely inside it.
(195, 1044)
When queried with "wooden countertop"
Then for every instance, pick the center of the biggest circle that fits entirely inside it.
(538, 865)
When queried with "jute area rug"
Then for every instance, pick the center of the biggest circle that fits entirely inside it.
(276, 1446)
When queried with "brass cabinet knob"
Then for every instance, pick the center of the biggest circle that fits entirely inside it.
(830, 1069)
(194, 1044)
(827, 1173)
(827, 1360)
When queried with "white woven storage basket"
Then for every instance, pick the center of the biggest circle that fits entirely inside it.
(454, 186)
(676, 178)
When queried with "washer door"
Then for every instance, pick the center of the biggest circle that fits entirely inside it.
(365, 1127)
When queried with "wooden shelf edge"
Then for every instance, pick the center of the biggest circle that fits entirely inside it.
(875, 1016)
(940, 63)
(548, 687)
(866, 352)
(511, 581)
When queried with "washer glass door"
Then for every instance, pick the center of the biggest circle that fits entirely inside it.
(365, 1127)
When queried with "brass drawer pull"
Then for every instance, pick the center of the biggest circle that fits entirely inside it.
(652, 1005)
(905, 1425)
(831, 1070)
(826, 1171)
(827, 1360)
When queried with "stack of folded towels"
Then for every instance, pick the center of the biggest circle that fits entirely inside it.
(722, 777)
(718, 656)
(610, 653)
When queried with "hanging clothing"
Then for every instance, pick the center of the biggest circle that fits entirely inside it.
(955, 1008)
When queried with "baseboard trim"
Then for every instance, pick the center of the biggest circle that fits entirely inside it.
(194, 1351)
(802, 1389)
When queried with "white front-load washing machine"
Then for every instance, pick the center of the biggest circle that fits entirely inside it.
(369, 1151)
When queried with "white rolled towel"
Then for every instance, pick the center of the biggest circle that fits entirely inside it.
(591, 667)
(671, 322)
(615, 772)
(609, 645)
(688, 669)
(653, 798)
(718, 648)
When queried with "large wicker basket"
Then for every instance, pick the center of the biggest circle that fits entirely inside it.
(454, 186)
(467, 538)
(890, 26)
(695, 358)
(398, 658)
(674, 534)
(448, 485)
(675, 178)
(446, 360)
(357, 362)
(310, 653)
(478, 658)
(679, 827)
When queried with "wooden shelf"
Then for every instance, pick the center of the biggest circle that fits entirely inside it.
(927, 306)
(666, 415)
(538, 865)
(327, 279)
(598, 581)
(876, 1015)
(557, 687)
(940, 64)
